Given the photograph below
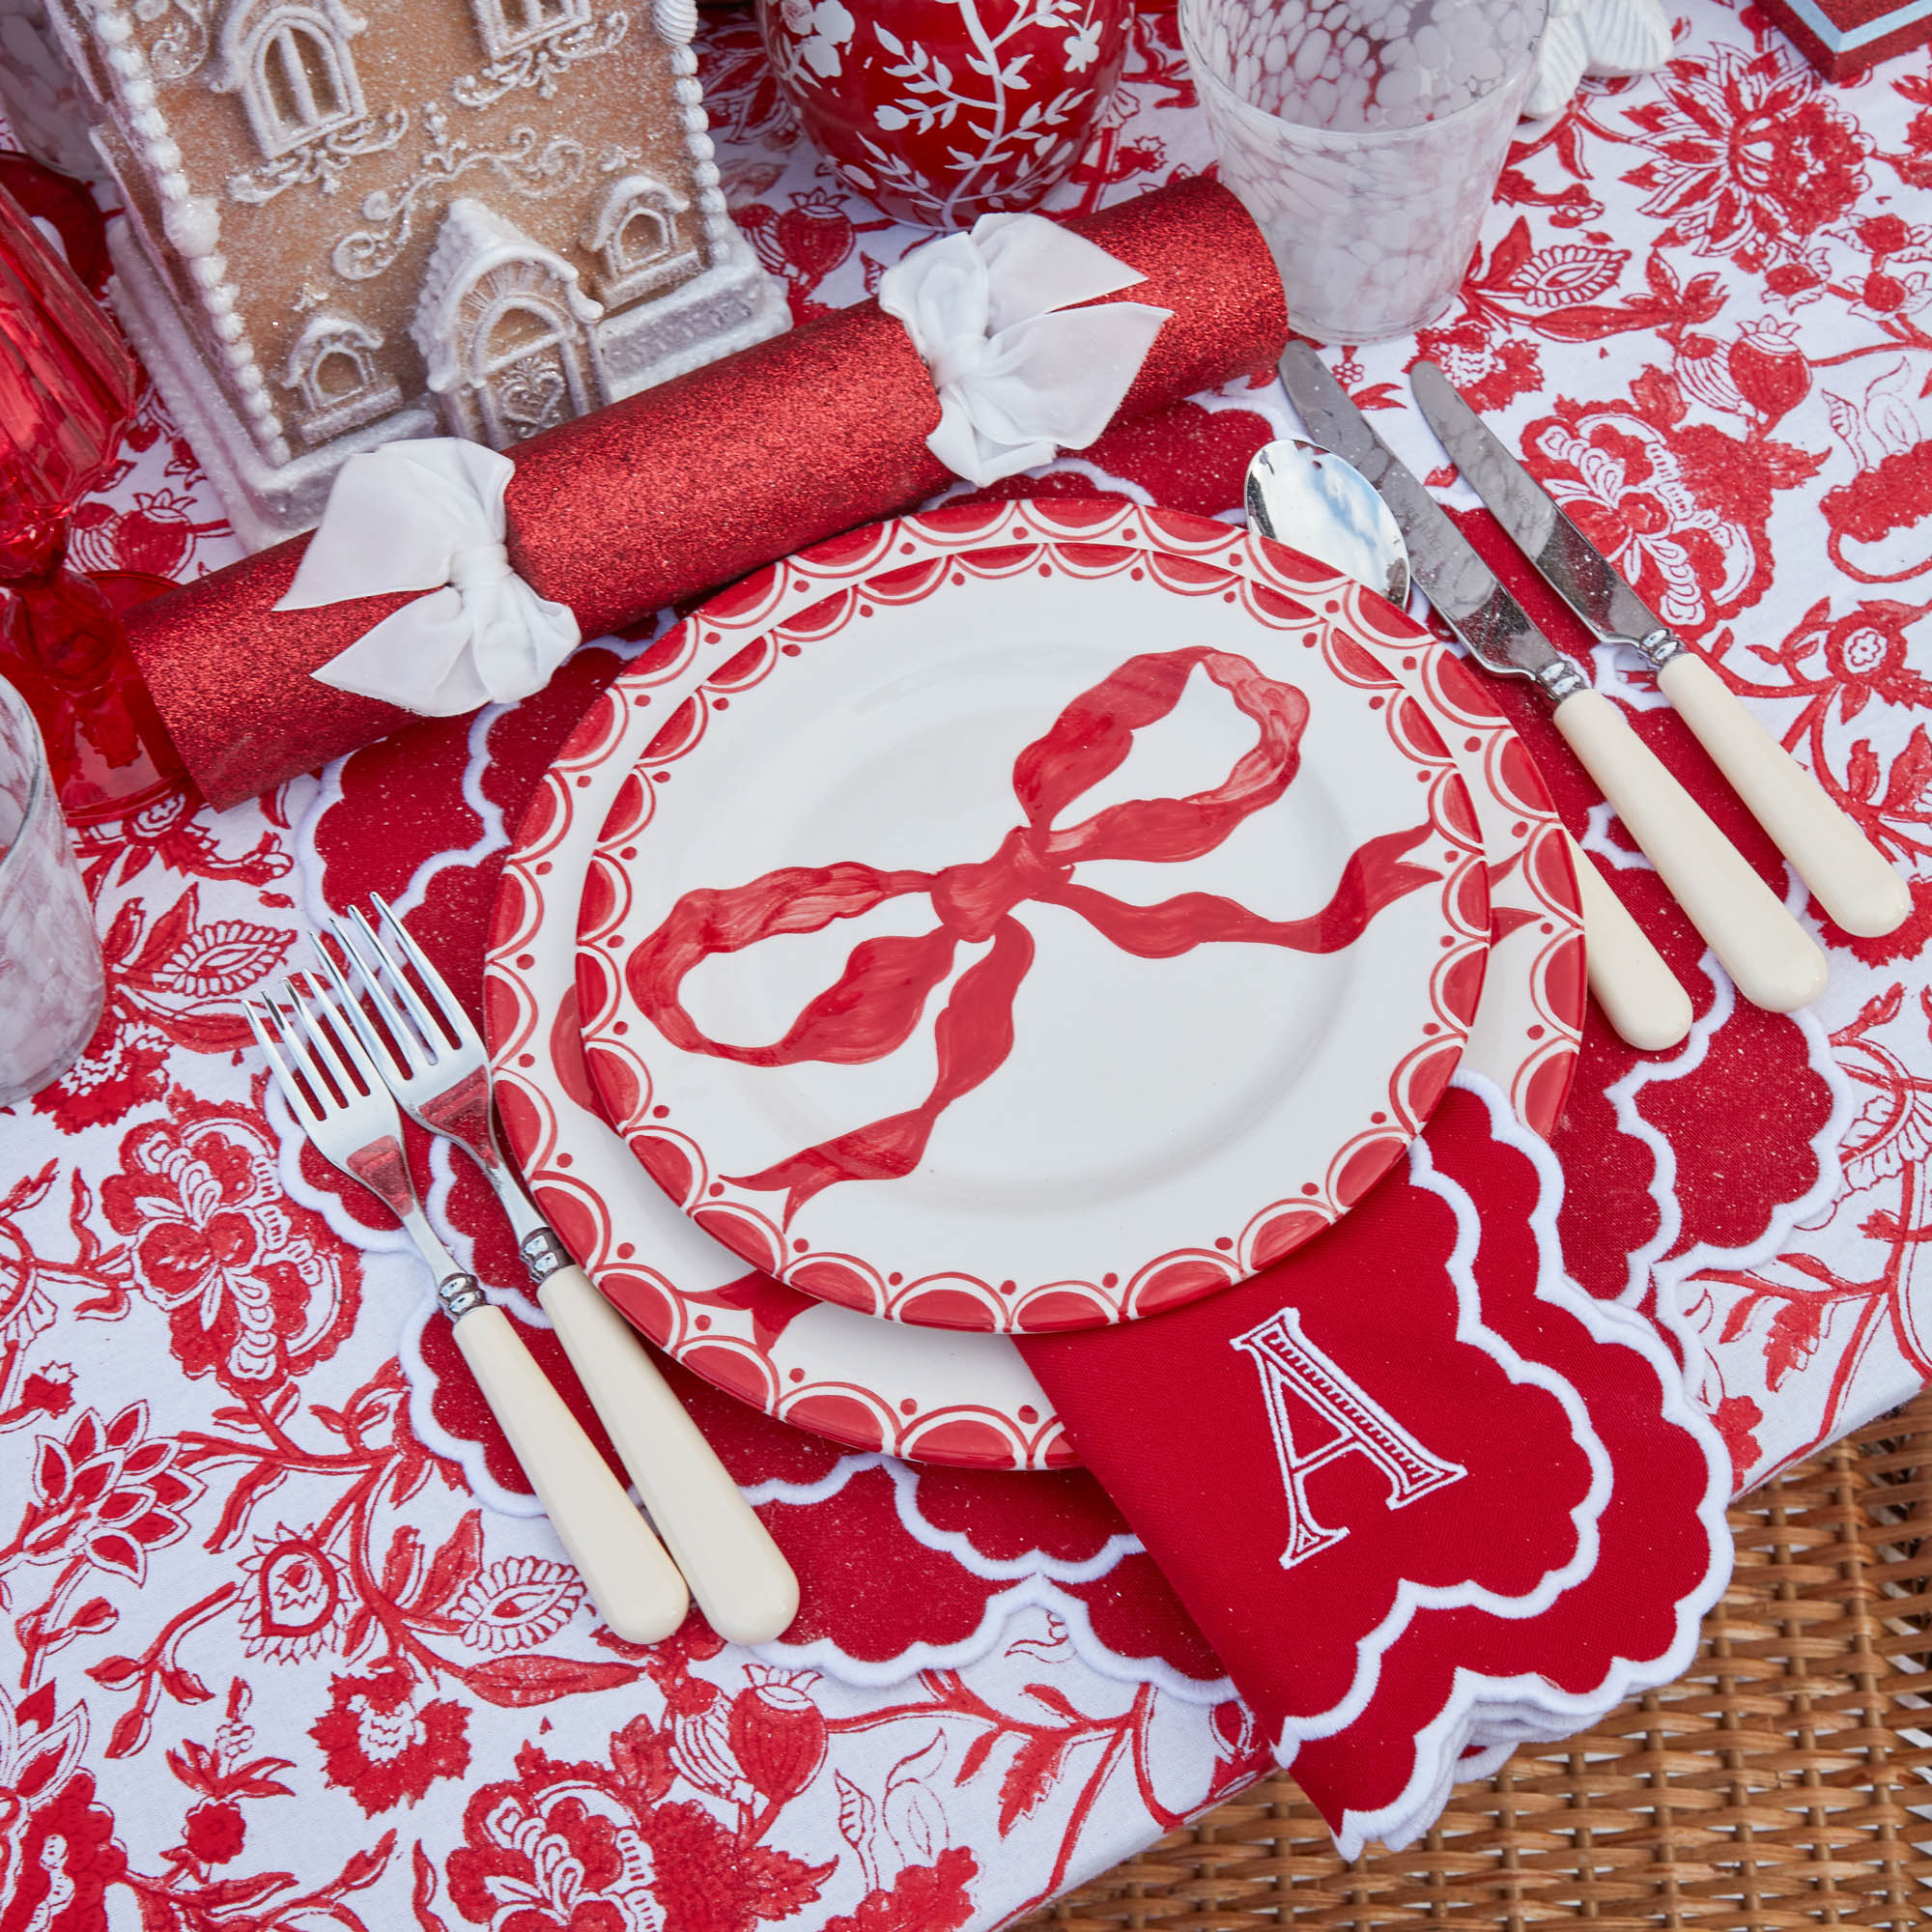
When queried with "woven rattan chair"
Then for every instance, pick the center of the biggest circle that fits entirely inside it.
(1783, 1782)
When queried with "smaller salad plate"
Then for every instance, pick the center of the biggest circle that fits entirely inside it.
(1053, 935)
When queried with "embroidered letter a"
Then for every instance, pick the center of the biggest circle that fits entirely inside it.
(1287, 1361)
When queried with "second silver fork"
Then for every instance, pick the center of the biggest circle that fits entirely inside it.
(336, 1096)
(435, 1065)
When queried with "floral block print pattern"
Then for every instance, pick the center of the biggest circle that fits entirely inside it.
(285, 1645)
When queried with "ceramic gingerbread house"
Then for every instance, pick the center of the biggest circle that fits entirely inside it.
(352, 220)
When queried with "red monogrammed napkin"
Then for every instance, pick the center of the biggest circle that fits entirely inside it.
(1423, 1496)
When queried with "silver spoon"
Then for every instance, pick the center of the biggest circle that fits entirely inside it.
(1320, 504)
(1303, 495)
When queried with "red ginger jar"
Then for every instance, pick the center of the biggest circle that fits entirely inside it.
(944, 110)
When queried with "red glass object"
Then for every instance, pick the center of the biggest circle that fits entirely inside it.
(68, 388)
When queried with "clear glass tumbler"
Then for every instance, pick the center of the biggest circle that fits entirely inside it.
(1365, 137)
(51, 985)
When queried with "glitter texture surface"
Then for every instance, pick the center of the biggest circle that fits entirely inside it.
(684, 488)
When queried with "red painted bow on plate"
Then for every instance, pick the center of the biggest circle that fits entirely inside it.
(880, 997)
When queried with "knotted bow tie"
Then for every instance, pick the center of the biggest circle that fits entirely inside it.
(880, 997)
(1026, 357)
(428, 515)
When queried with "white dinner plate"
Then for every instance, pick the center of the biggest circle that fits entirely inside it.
(961, 1399)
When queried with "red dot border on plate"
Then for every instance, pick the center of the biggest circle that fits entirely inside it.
(618, 1049)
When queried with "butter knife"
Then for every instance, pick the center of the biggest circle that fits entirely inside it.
(1847, 873)
(1774, 962)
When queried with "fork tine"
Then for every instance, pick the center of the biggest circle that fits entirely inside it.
(335, 1053)
(347, 1002)
(256, 1014)
(447, 1007)
(332, 1091)
(298, 1066)
(407, 1052)
(385, 976)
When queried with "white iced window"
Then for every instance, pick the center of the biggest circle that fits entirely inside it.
(338, 380)
(508, 24)
(340, 375)
(644, 235)
(301, 77)
(633, 229)
(292, 66)
(521, 330)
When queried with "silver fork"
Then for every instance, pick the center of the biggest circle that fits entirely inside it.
(334, 1091)
(435, 1065)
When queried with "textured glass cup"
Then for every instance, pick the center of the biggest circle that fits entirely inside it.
(51, 985)
(1365, 139)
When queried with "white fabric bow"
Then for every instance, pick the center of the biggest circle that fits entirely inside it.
(1607, 37)
(428, 515)
(1021, 373)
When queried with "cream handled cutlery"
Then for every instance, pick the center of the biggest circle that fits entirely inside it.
(1320, 504)
(334, 1091)
(435, 1064)
(1774, 960)
(1849, 876)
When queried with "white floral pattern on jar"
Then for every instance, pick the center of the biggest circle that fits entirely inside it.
(943, 110)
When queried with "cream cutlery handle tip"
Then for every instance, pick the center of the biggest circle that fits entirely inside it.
(1775, 963)
(1640, 996)
(633, 1584)
(739, 1575)
(1848, 876)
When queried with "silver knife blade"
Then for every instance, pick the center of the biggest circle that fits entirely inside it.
(1574, 567)
(1456, 580)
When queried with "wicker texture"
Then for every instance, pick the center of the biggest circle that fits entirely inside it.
(1774, 1785)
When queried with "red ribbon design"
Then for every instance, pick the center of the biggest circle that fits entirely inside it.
(881, 996)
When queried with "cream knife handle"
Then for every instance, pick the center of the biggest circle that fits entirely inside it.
(738, 1575)
(631, 1581)
(1849, 875)
(1775, 961)
(1639, 994)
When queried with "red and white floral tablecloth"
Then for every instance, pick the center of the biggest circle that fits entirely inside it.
(284, 1645)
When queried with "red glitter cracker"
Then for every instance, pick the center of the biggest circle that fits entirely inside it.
(686, 487)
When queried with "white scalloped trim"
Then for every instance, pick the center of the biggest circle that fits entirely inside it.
(1525, 1708)
(1036, 1578)
(1032, 1593)
(1650, 1274)
(1826, 1147)
(1473, 1331)
(947, 1542)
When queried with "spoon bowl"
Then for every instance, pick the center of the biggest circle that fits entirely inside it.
(1319, 503)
